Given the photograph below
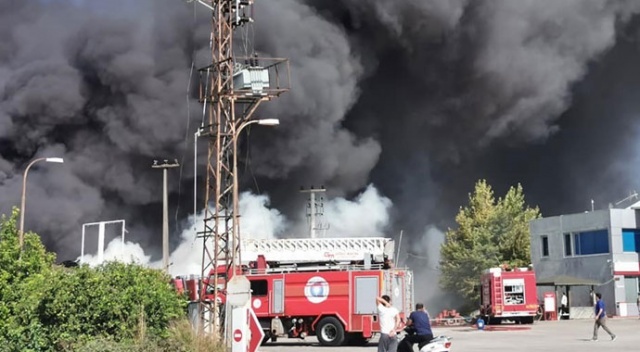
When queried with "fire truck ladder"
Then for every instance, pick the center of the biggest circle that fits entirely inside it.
(318, 250)
(392, 281)
(408, 292)
(497, 292)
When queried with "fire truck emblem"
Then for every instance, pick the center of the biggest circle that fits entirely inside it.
(316, 290)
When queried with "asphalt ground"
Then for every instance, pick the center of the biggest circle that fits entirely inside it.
(566, 335)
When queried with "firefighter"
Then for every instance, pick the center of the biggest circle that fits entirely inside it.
(387, 264)
(390, 323)
(420, 323)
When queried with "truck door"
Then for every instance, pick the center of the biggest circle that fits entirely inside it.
(366, 293)
(364, 301)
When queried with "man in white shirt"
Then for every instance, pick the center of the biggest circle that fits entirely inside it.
(563, 305)
(389, 319)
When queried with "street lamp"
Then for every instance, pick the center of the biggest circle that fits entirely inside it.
(24, 193)
(165, 211)
(236, 211)
(265, 122)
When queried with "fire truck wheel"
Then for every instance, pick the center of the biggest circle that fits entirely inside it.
(330, 332)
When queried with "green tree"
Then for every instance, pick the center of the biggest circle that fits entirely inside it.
(22, 277)
(490, 232)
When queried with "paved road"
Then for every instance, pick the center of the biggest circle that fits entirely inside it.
(572, 335)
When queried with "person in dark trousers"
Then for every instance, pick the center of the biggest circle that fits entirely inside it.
(419, 321)
(601, 319)
(563, 305)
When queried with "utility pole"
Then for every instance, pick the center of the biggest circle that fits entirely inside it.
(231, 89)
(314, 209)
(165, 211)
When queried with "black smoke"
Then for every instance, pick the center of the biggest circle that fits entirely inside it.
(528, 92)
(103, 85)
(420, 98)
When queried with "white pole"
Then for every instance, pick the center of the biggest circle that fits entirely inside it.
(165, 223)
(82, 245)
(195, 173)
(124, 229)
(312, 221)
(101, 242)
(397, 258)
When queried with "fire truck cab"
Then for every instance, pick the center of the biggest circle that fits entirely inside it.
(508, 295)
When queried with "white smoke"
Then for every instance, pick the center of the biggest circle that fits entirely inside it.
(366, 215)
(127, 252)
(257, 221)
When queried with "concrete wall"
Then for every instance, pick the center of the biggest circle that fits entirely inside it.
(623, 262)
(595, 267)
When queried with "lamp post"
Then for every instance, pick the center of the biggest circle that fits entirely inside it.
(235, 240)
(236, 211)
(165, 211)
(24, 193)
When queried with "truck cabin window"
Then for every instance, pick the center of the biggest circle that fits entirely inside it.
(259, 288)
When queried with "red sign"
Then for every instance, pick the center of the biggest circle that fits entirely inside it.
(237, 335)
(256, 331)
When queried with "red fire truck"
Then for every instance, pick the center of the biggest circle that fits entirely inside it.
(324, 287)
(508, 295)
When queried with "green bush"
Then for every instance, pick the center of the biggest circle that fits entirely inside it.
(119, 301)
(44, 307)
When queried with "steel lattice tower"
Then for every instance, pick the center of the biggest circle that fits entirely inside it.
(229, 109)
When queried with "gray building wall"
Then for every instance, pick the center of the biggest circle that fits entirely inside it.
(626, 296)
(598, 267)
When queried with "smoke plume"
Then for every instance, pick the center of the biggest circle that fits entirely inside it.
(260, 221)
(418, 98)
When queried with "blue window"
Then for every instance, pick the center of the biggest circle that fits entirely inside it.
(591, 242)
(631, 241)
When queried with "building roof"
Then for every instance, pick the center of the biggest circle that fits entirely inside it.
(565, 280)
(635, 205)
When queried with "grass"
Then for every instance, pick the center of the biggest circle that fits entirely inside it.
(180, 338)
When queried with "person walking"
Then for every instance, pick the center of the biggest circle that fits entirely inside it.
(638, 303)
(389, 319)
(601, 318)
(419, 321)
(563, 305)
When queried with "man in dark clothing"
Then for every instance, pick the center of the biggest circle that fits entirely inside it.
(601, 318)
(420, 323)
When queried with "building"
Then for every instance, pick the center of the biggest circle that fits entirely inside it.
(601, 246)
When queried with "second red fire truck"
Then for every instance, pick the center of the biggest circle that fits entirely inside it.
(324, 287)
(508, 295)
